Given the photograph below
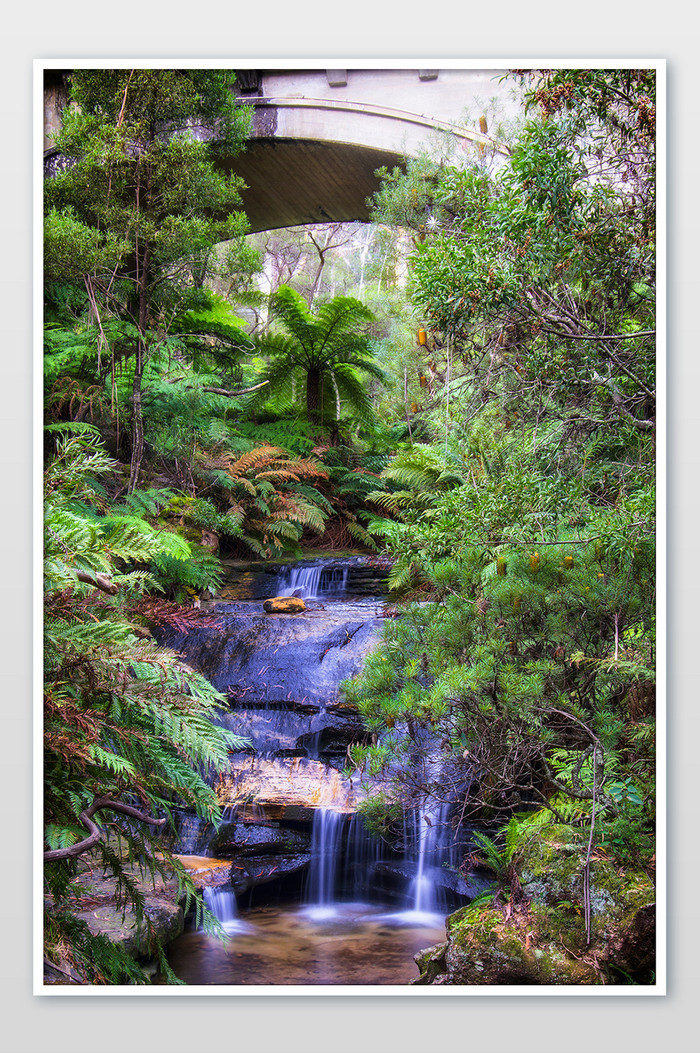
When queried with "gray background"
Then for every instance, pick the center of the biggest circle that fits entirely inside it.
(378, 1024)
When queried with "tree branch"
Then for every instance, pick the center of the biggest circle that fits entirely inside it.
(99, 581)
(96, 832)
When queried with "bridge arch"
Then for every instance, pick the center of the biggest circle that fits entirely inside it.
(319, 135)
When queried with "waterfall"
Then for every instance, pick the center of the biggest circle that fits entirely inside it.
(312, 582)
(362, 855)
(430, 836)
(222, 903)
(282, 675)
(325, 851)
(421, 892)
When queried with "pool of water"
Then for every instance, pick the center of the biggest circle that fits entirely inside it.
(340, 944)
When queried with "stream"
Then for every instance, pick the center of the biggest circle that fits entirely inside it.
(306, 895)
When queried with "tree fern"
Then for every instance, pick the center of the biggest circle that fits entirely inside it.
(325, 352)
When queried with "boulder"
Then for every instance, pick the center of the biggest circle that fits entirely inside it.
(259, 838)
(96, 904)
(284, 605)
(539, 937)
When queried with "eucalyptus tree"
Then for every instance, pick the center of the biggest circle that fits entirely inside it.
(137, 204)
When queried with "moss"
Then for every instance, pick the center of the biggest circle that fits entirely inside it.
(541, 939)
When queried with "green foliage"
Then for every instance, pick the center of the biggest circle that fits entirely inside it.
(124, 720)
(94, 957)
(494, 858)
(270, 497)
(324, 355)
(201, 573)
(528, 522)
(380, 816)
(132, 218)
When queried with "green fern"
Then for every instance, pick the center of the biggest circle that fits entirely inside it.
(124, 719)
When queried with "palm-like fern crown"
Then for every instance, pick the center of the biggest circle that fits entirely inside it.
(327, 349)
(331, 335)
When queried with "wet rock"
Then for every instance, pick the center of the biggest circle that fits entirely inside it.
(278, 660)
(261, 870)
(248, 839)
(398, 873)
(257, 579)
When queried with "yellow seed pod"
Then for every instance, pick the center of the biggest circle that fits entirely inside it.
(535, 561)
(568, 562)
(414, 407)
(422, 337)
(501, 566)
(390, 722)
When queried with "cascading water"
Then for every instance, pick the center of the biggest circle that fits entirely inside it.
(289, 826)
(363, 854)
(222, 903)
(326, 843)
(421, 893)
(314, 582)
(429, 826)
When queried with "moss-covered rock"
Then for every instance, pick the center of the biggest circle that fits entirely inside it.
(538, 937)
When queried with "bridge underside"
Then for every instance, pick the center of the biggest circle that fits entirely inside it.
(291, 182)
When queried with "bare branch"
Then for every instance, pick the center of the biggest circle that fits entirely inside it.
(96, 832)
(99, 581)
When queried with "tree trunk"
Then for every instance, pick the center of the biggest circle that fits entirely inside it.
(313, 395)
(136, 419)
(137, 442)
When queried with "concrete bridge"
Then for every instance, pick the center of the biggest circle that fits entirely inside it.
(319, 135)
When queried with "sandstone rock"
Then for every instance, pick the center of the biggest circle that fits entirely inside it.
(284, 605)
(206, 871)
(287, 788)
